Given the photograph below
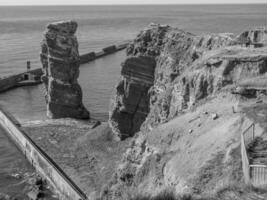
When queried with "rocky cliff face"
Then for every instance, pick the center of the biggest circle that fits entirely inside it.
(188, 68)
(257, 35)
(177, 142)
(131, 102)
(171, 51)
(60, 60)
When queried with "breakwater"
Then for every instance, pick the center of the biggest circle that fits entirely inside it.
(43, 164)
(85, 58)
(33, 77)
(20, 79)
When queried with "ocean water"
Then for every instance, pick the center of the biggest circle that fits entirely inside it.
(21, 31)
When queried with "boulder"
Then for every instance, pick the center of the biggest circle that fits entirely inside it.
(60, 60)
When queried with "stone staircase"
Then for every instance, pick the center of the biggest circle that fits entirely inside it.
(253, 196)
(257, 152)
(257, 157)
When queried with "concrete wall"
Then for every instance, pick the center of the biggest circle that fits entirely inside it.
(85, 58)
(110, 49)
(12, 81)
(43, 164)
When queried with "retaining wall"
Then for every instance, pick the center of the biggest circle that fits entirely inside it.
(43, 164)
(12, 81)
(85, 58)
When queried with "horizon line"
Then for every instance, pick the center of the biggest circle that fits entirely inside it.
(252, 3)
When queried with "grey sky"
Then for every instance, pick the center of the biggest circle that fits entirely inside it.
(102, 2)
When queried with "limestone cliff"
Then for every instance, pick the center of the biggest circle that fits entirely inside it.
(131, 102)
(188, 68)
(257, 36)
(180, 145)
(60, 60)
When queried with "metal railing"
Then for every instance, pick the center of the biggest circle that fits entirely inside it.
(245, 161)
(253, 174)
(249, 134)
(258, 174)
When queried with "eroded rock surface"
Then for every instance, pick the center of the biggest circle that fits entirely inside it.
(179, 141)
(254, 36)
(60, 60)
(188, 69)
(131, 103)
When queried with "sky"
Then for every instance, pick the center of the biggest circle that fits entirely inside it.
(115, 2)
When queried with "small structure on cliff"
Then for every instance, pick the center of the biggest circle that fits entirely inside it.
(60, 60)
(256, 37)
(251, 86)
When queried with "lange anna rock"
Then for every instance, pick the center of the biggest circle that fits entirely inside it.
(60, 60)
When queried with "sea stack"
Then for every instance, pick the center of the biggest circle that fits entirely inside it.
(60, 60)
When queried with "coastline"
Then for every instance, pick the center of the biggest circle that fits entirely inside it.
(175, 94)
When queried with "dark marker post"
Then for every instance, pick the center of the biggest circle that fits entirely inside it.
(28, 66)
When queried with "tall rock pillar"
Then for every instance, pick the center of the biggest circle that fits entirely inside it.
(60, 60)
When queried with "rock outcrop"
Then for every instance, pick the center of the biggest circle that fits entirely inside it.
(60, 60)
(131, 103)
(256, 36)
(176, 140)
(188, 68)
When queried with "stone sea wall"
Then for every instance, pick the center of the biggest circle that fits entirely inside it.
(44, 165)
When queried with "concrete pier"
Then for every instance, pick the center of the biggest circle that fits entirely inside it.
(22, 79)
(85, 58)
(16, 80)
(44, 165)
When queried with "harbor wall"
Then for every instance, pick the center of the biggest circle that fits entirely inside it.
(44, 165)
(85, 58)
(14, 81)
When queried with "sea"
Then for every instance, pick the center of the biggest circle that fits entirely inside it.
(22, 27)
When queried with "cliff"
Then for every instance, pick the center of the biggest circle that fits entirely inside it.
(189, 129)
(60, 60)
(188, 68)
(132, 99)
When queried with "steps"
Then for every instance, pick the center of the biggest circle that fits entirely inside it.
(257, 155)
(253, 196)
(257, 152)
